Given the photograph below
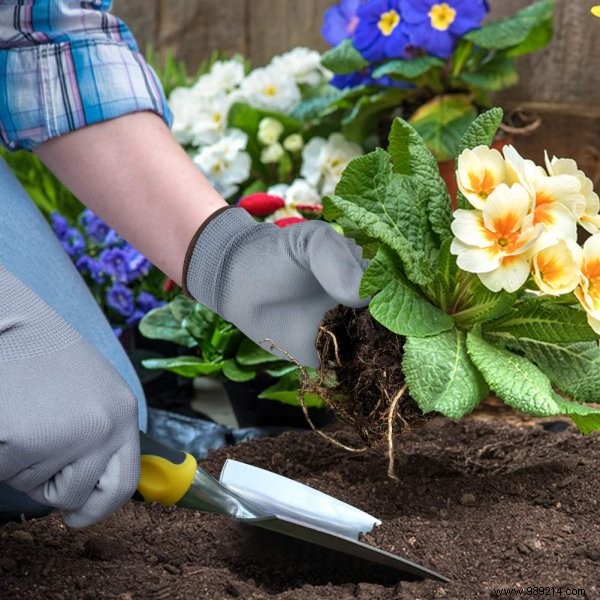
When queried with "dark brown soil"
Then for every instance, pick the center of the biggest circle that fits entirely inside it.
(361, 378)
(487, 503)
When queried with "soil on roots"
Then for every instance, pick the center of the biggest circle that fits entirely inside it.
(361, 377)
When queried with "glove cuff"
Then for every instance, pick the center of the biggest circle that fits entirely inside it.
(209, 250)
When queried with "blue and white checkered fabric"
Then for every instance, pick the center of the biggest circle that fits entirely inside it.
(65, 65)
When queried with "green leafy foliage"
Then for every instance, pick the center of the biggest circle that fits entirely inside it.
(450, 384)
(517, 32)
(459, 338)
(222, 350)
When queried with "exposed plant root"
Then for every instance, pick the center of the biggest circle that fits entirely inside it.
(361, 377)
(302, 392)
(361, 380)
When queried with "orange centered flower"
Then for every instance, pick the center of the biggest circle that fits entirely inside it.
(484, 184)
(388, 22)
(442, 16)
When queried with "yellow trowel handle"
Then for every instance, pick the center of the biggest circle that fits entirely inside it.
(166, 474)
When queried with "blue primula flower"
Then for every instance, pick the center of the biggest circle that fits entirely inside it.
(95, 227)
(340, 21)
(89, 265)
(120, 298)
(59, 225)
(436, 26)
(380, 31)
(137, 264)
(114, 262)
(350, 80)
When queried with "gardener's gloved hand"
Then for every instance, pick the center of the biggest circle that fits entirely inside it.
(273, 282)
(68, 421)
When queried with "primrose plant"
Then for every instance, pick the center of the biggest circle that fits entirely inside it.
(498, 295)
(433, 62)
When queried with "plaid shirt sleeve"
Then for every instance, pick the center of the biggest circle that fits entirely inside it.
(65, 65)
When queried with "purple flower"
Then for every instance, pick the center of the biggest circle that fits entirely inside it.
(340, 21)
(113, 262)
(59, 224)
(357, 78)
(120, 298)
(435, 26)
(95, 227)
(72, 241)
(137, 264)
(147, 301)
(380, 31)
(89, 265)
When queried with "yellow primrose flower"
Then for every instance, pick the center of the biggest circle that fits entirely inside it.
(588, 292)
(587, 207)
(557, 198)
(555, 265)
(595, 10)
(494, 243)
(479, 171)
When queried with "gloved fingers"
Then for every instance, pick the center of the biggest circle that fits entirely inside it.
(115, 486)
(338, 265)
(69, 488)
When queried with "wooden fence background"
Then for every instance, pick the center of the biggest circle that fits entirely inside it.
(560, 84)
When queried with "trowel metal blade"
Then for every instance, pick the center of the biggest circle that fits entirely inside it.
(327, 539)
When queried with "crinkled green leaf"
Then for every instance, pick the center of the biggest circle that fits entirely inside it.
(441, 376)
(586, 418)
(343, 59)
(408, 69)
(482, 130)
(410, 156)
(186, 366)
(546, 322)
(494, 75)
(514, 30)
(382, 205)
(443, 121)
(443, 286)
(573, 368)
(513, 378)
(398, 306)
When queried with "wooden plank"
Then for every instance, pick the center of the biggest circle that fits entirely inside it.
(276, 26)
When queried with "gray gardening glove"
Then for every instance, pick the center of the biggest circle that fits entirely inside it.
(68, 421)
(273, 282)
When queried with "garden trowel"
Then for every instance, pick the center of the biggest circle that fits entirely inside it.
(258, 497)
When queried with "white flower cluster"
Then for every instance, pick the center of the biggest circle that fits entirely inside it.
(201, 115)
(524, 223)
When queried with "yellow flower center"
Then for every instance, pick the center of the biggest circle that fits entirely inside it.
(388, 22)
(442, 16)
(596, 10)
(270, 90)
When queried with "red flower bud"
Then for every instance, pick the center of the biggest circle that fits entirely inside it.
(261, 204)
(169, 285)
(310, 209)
(288, 221)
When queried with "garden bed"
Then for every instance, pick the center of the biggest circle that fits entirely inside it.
(488, 503)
